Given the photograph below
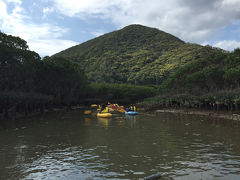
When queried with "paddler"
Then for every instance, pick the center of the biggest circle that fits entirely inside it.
(131, 108)
(104, 109)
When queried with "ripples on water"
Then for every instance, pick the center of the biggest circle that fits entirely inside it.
(72, 146)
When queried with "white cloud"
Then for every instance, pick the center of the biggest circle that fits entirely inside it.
(3, 8)
(50, 47)
(193, 21)
(43, 38)
(90, 7)
(47, 10)
(15, 1)
(229, 45)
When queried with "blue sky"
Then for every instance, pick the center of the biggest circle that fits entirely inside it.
(50, 26)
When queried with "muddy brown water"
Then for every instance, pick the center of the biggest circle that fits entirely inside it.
(71, 145)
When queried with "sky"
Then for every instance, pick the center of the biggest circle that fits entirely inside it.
(50, 26)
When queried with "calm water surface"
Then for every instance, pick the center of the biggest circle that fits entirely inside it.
(75, 146)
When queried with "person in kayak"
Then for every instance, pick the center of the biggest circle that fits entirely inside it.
(131, 108)
(104, 109)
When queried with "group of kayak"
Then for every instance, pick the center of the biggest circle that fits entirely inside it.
(106, 110)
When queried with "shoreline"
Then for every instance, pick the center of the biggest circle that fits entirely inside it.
(16, 116)
(227, 115)
(234, 116)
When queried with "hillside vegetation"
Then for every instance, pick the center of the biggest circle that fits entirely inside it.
(135, 54)
(29, 84)
(186, 74)
(114, 67)
(211, 82)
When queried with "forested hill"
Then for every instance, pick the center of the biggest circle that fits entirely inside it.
(29, 84)
(134, 54)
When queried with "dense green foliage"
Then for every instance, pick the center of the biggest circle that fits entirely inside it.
(117, 93)
(183, 74)
(135, 54)
(219, 71)
(28, 83)
(221, 100)
(62, 79)
(213, 81)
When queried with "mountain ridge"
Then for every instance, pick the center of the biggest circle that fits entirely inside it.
(134, 54)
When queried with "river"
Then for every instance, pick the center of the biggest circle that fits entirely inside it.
(70, 145)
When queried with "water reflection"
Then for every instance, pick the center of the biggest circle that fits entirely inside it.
(124, 120)
(104, 121)
(75, 146)
(87, 120)
(131, 120)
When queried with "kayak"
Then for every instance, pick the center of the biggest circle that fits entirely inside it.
(104, 115)
(131, 112)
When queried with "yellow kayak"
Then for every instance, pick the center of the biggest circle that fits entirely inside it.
(104, 115)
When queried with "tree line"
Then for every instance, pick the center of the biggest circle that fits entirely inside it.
(29, 84)
(218, 71)
(212, 82)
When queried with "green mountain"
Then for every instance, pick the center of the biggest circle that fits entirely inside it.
(135, 54)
